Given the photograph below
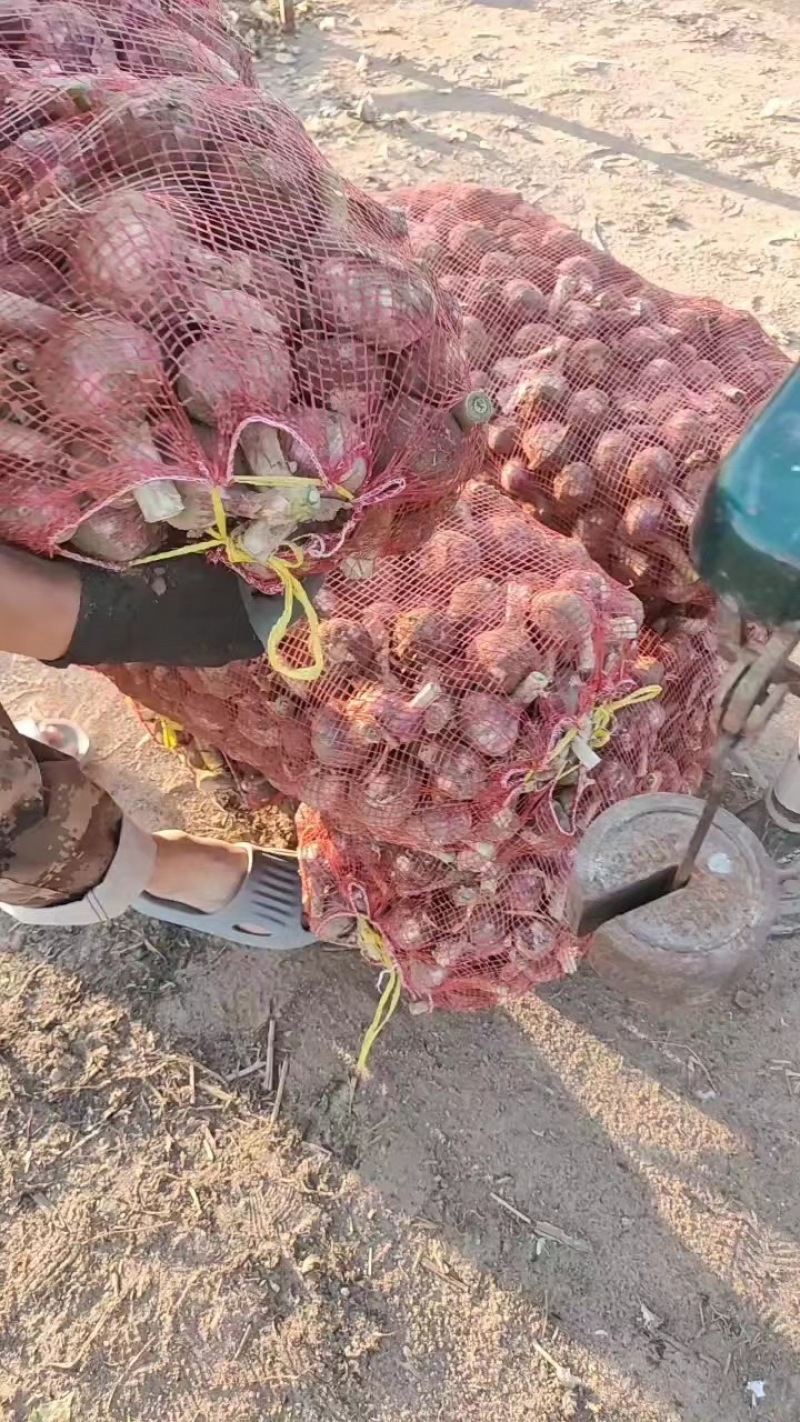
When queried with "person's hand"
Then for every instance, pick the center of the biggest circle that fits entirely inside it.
(180, 612)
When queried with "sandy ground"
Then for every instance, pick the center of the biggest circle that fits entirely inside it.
(168, 1253)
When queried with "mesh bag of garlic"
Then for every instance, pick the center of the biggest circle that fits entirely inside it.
(464, 930)
(210, 343)
(615, 397)
(49, 40)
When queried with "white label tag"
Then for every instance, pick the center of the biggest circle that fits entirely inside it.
(584, 753)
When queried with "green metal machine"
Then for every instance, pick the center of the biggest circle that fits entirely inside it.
(746, 541)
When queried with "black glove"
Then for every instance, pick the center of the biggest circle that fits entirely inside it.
(184, 612)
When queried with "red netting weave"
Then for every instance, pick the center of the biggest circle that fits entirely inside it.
(615, 397)
(467, 935)
(461, 940)
(211, 342)
(208, 337)
(149, 38)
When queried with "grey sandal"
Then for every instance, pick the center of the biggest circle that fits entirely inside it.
(267, 912)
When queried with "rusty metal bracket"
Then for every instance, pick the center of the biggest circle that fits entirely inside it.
(756, 686)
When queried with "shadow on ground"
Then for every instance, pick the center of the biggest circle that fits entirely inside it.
(436, 95)
(665, 1157)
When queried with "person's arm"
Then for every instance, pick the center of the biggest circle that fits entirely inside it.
(179, 612)
(40, 602)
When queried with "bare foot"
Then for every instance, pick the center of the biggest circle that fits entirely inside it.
(202, 873)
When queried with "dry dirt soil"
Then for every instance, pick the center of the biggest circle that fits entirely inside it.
(171, 1255)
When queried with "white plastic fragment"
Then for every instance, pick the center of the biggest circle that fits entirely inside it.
(158, 500)
(757, 1391)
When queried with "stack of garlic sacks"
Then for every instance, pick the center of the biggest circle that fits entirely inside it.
(215, 346)
(615, 401)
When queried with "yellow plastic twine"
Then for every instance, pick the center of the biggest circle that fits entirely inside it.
(213, 766)
(292, 481)
(581, 743)
(602, 718)
(171, 732)
(373, 946)
(219, 537)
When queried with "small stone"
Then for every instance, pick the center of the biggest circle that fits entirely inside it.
(777, 108)
(367, 110)
(584, 65)
(328, 22)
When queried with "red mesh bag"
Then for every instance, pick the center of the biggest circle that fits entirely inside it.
(463, 689)
(207, 338)
(616, 398)
(466, 935)
(685, 658)
(144, 37)
(461, 940)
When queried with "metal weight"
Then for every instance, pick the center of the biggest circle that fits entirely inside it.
(694, 943)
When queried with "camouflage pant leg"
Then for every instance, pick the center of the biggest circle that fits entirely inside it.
(58, 831)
